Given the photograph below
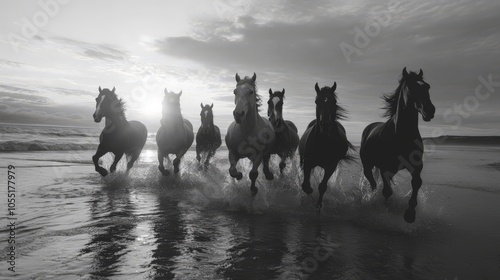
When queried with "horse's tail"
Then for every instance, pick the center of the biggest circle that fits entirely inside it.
(349, 156)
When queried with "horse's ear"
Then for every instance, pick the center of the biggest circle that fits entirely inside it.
(113, 90)
(270, 91)
(283, 91)
(212, 106)
(100, 90)
(201, 105)
(180, 93)
(405, 73)
(237, 77)
(165, 91)
(316, 87)
(334, 87)
(420, 74)
(254, 77)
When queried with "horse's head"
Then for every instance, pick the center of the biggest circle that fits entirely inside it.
(417, 94)
(106, 104)
(326, 107)
(207, 116)
(171, 102)
(275, 107)
(245, 97)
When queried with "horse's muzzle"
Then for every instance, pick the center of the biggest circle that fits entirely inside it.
(97, 119)
(239, 117)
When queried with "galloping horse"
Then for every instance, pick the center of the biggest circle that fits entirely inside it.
(175, 134)
(324, 143)
(287, 137)
(397, 144)
(249, 135)
(119, 136)
(208, 138)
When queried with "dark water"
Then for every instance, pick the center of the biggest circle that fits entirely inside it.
(73, 224)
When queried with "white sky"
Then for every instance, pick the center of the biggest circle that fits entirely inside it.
(198, 46)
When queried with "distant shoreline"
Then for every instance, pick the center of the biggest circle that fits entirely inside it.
(463, 140)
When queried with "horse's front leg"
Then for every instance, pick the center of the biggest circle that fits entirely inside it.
(269, 175)
(210, 154)
(233, 160)
(177, 161)
(324, 184)
(118, 156)
(254, 173)
(387, 176)
(306, 184)
(162, 169)
(416, 183)
(98, 154)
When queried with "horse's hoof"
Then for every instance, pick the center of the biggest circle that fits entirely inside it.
(254, 190)
(103, 172)
(307, 189)
(410, 216)
(237, 175)
(176, 169)
(163, 171)
(112, 169)
(269, 176)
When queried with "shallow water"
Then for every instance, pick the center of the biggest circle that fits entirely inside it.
(73, 224)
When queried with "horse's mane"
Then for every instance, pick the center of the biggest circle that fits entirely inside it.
(341, 111)
(391, 99)
(120, 104)
(252, 83)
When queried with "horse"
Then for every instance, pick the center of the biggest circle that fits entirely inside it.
(249, 135)
(396, 144)
(119, 136)
(287, 137)
(175, 134)
(208, 138)
(324, 143)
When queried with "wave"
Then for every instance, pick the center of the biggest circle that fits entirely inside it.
(16, 146)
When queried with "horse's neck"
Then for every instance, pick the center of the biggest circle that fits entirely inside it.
(117, 120)
(251, 121)
(169, 120)
(406, 122)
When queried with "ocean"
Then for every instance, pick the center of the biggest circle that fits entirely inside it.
(71, 223)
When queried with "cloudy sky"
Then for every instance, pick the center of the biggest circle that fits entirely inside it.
(53, 57)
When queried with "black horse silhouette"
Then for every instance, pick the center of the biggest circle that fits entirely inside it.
(397, 144)
(208, 138)
(324, 143)
(119, 136)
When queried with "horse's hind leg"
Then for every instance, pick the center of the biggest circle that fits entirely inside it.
(269, 175)
(387, 178)
(132, 160)
(282, 164)
(323, 185)
(233, 160)
(118, 156)
(98, 154)
(368, 171)
(198, 153)
(416, 183)
(162, 169)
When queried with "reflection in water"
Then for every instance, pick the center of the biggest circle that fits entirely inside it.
(112, 212)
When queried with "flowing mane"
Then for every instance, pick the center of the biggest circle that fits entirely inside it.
(250, 82)
(341, 113)
(391, 99)
(118, 106)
